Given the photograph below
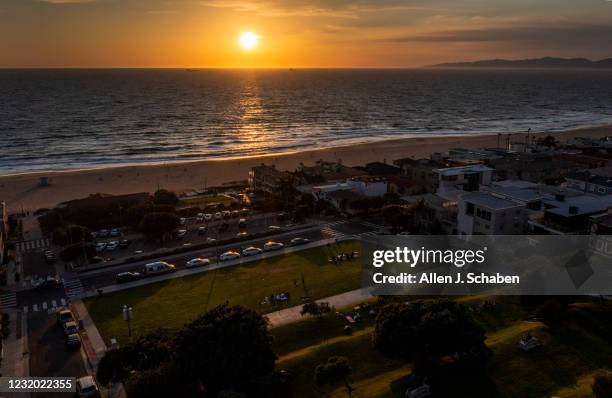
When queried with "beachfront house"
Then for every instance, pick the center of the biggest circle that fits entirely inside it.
(464, 178)
(595, 181)
(482, 213)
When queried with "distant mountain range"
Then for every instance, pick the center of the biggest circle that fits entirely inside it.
(546, 62)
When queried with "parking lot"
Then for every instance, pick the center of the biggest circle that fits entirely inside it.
(49, 356)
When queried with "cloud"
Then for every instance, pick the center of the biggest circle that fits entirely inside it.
(568, 34)
(328, 8)
(67, 1)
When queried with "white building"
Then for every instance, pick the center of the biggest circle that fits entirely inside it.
(362, 185)
(481, 213)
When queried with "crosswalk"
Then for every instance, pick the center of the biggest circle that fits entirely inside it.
(32, 245)
(73, 287)
(8, 300)
(49, 306)
(329, 230)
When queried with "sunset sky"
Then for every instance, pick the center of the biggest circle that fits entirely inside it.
(297, 33)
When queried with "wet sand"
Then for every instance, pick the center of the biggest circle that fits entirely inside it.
(23, 190)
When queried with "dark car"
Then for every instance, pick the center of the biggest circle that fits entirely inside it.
(127, 276)
(47, 283)
(96, 260)
(202, 231)
(73, 341)
(64, 316)
(125, 243)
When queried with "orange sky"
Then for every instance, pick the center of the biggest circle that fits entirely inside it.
(296, 33)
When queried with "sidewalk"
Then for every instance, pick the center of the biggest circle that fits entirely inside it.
(94, 346)
(289, 315)
(15, 352)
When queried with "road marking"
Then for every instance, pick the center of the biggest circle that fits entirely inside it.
(63, 301)
(53, 303)
(35, 307)
(44, 305)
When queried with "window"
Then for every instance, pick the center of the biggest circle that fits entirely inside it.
(485, 215)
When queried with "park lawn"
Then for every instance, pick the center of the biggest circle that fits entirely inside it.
(565, 366)
(172, 303)
(203, 201)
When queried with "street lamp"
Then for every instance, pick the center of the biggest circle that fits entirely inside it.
(127, 316)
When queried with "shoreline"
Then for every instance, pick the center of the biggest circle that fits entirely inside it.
(22, 191)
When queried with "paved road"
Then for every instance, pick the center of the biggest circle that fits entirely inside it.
(39, 300)
(48, 354)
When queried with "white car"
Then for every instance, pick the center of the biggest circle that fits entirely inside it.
(231, 255)
(200, 217)
(251, 251)
(218, 215)
(100, 247)
(182, 220)
(273, 246)
(208, 217)
(197, 262)
(87, 387)
(274, 228)
(181, 233)
(241, 234)
(210, 240)
(112, 246)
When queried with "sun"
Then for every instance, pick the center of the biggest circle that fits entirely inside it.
(248, 40)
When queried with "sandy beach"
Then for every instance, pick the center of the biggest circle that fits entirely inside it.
(23, 191)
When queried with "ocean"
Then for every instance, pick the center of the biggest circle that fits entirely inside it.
(66, 119)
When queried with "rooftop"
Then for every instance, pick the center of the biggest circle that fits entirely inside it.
(475, 168)
(523, 195)
(489, 201)
(580, 205)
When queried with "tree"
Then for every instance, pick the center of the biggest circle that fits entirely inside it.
(602, 387)
(315, 309)
(335, 370)
(77, 251)
(393, 215)
(548, 141)
(72, 233)
(157, 225)
(425, 332)
(226, 348)
(165, 197)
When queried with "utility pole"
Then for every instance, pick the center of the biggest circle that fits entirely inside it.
(128, 314)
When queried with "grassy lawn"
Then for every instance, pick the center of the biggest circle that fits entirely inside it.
(203, 201)
(172, 303)
(564, 367)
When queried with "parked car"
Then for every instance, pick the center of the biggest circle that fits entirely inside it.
(269, 246)
(226, 214)
(86, 387)
(200, 217)
(115, 232)
(218, 215)
(242, 223)
(197, 262)
(210, 240)
(103, 233)
(208, 217)
(125, 243)
(274, 228)
(71, 327)
(64, 316)
(202, 230)
(182, 221)
(95, 260)
(127, 276)
(241, 234)
(251, 251)
(46, 283)
(100, 246)
(112, 246)
(230, 255)
(50, 256)
(158, 267)
(299, 241)
(244, 212)
(73, 341)
(235, 214)
(181, 233)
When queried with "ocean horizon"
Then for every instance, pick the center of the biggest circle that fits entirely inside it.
(63, 119)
